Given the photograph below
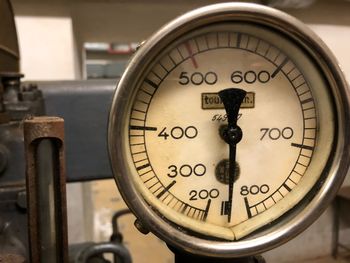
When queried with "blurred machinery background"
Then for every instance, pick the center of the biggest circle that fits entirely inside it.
(60, 45)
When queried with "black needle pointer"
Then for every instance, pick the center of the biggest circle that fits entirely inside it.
(232, 100)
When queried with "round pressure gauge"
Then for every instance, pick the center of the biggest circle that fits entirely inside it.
(229, 130)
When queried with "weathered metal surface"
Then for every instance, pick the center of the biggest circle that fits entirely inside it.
(16, 102)
(84, 105)
(9, 51)
(12, 148)
(19, 100)
(13, 222)
(37, 132)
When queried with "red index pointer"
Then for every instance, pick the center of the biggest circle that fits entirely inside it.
(189, 50)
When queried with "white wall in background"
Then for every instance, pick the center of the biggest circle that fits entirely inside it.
(337, 38)
(46, 47)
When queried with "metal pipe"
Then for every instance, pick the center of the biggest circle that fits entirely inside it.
(116, 235)
(45, 175)
(46, 198)
(118, 250)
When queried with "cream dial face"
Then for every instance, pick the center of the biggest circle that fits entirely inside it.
(176, 122)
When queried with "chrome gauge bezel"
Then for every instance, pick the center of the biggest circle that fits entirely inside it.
(302, 215)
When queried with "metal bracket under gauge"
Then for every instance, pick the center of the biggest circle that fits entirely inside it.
(229, 131)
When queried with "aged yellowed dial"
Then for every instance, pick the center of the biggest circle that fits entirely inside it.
(177, 116)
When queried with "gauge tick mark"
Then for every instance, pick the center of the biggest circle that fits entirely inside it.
(306, 100)
(206, 210)
(239, 39)
(247, 207)
(189, 50)
(278, 69)
(287, 187)
(142, 128)
(166, 189)
(151, 83)
(142, 167)
(184, 208)
(302, 146)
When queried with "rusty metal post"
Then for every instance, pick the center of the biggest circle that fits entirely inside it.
(46, 189)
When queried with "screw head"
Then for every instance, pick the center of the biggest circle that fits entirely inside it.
(140, 227)
(22, 200)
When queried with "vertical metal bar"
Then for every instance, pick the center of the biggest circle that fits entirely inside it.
(46, 185)
(46, 191)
